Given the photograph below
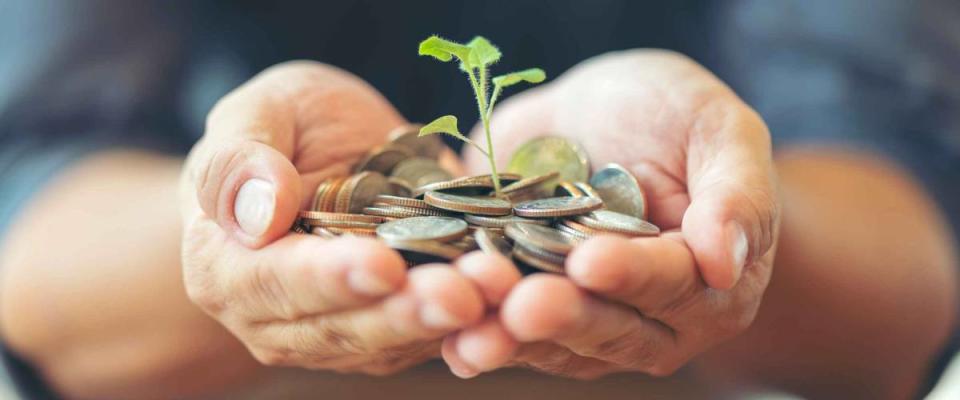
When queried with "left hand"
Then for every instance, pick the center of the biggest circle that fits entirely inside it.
(644, 304)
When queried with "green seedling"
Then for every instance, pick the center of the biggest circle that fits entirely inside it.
(475, 59)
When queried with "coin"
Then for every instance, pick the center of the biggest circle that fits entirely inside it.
(403, 212)
(383, 159)
(359, 191)
(352, 231)
(424, 146)
(566, 188)
(398, 187)
(579, 236)
(491, 242)
(611, 221)
(467, 243)
(557, 207)
(541, 237)
(587, 190)
(547, 154)
(419, 171)
(477, 185)
(323, 232)
(502, 221)
(468, 204)
(308, 216)
(530, 183)
(298, 229)
(442, 229)
(389, 200)
(424, 251)
(530, 258)
(620, 191)
(583, 230)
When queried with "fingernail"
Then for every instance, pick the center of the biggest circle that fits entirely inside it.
(463, 372)
(437, 317)
(254, 206)
(368, 283)
(739, 249)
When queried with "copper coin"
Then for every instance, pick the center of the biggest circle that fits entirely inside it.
(398, 187)
(611, 221)
(409, 136)
(420, 171)
(308, 216)
(501, 222)
(359, 191)
(491, 242)
(444, 229)
(418, 252)
(620, 191)
(383, 159)
(468, 204)
(389, 200)
(557, 207)
(540, 237)
(528, 257)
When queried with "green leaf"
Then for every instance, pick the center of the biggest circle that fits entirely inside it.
(532, 75)
(484, 53)
(445, 124)
(443, 49)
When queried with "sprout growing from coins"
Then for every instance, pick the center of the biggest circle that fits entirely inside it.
(475, 59)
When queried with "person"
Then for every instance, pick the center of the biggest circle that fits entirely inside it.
(822, 269)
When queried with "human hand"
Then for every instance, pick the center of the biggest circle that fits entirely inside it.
(345, 304)
(645, 304)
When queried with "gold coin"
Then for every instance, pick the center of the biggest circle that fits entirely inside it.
(620, 191)
(611, 221)
(547, 154)
(443, 229)
(557, 207)
(468, 204)
(540, 237)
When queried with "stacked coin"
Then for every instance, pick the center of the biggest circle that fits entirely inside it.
(400, 194)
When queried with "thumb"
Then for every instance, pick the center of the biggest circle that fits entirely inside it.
(734, 210)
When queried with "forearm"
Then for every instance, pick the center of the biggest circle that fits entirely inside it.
(92, 292)
(863, 292)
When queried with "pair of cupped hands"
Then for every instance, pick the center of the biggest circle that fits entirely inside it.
(350, 304)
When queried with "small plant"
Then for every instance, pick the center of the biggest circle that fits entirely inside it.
(475, 59)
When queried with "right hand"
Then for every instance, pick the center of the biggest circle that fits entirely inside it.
(345, 304)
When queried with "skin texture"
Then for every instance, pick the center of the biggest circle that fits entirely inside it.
(269, 299)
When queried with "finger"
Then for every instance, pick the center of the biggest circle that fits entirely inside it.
(554, 359)
(493, 274)
(734, 209)
(587, 326)
(650, 274)
(241, 172)
(299, 275)
(483, 347)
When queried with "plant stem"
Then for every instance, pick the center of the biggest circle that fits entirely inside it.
(479, 89)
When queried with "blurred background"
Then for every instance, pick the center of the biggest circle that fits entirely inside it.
(78, 76)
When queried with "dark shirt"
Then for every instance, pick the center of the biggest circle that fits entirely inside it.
(81, 76)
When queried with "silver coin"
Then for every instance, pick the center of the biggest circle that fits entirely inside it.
(528, 257)
(611, 221)
(620, 191)
(487, 221)
(443, 229)
(468, 204)
(557, 207)
(417, 252)
(491, 242)
(540, 237)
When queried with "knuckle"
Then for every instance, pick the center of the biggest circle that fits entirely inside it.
(329, 338)
(267, 287)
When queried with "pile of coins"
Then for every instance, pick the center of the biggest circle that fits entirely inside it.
(549, 202)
